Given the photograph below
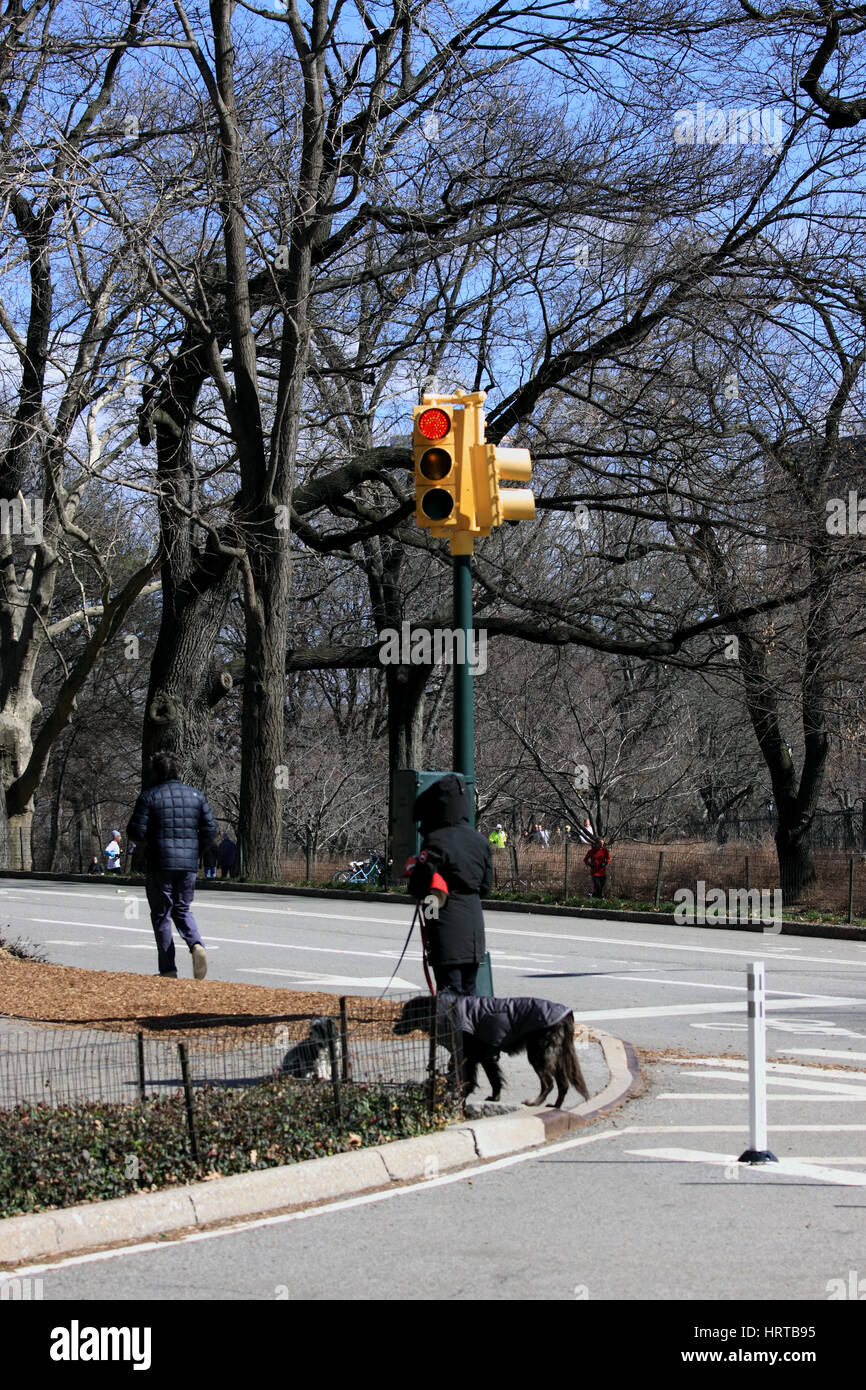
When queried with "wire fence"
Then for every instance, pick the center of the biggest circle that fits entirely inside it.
(353, 1046)
(648, 874)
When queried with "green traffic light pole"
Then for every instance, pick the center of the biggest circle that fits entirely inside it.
(464, 718)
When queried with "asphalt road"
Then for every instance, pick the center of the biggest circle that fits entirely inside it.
(659, 987)
(650, 1204)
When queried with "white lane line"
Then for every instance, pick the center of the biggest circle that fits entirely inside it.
(778, 1126)
(473, 1173)
(784, 1168)
(97, 926)
(698, 984)
(822, 1052)
(348, 918)
(679, 1010)
(730, 1095)
(792, 1068)
(241, 907)
(751, 953)
(277, 945)
(831, 1087)
(371, 981)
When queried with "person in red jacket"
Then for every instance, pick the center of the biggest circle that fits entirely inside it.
(598, 858)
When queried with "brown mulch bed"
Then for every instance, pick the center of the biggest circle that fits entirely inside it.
(67, 996)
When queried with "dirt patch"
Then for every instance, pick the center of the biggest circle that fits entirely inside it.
(122, 1002)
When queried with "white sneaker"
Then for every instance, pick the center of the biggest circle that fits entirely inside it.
(199, 962)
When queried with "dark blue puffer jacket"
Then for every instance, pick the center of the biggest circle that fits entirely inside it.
(176, 823)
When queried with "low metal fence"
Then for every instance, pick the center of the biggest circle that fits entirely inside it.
(353, 1045)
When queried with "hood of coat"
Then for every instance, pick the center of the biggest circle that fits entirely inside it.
(445, 802)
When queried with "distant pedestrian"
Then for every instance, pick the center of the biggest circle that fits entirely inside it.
(176, 823)
(597, 859)
(226, 856)
(113, 854)
(209, 859)
(94, 867)
(498, 838)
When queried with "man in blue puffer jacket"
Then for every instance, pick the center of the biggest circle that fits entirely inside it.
(176, 823)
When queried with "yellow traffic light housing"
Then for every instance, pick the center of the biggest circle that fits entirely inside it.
(444, 502)
(457, 474)
(510, 503)
(435, 450)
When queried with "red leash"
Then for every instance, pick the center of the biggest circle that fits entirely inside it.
(424, 948)
(419, 914)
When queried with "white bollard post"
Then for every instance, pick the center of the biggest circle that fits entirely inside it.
(757, 1152)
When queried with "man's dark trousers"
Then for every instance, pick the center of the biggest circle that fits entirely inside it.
(460, 978)
(169, 896)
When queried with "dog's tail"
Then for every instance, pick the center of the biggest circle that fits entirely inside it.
(572, 1064)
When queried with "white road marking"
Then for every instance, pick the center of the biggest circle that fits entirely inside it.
(797, 1082)
(784, 1168)
(352, 981)
(790, 1068)
(730, 1095)
(786, 1025)
(679, 1010)
(348, 918)
(778, 1127)
(472, 1173)
(824, 1052)
(699, 984)
(752, 952)
(97, 926)
(277, 945)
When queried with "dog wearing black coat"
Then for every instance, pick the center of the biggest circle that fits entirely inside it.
(479, 1029)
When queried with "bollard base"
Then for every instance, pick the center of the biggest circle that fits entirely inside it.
(757, 1156)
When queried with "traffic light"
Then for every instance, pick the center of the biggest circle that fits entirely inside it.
(458, 474)
(495, 505)
(443, 482)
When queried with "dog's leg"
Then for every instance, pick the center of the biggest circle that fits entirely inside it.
(571, 1067)
(493, 1072)
(538, 1056)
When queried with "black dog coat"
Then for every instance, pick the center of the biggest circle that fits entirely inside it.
(498, 1024)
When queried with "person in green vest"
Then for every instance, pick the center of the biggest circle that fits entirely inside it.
(498, 838)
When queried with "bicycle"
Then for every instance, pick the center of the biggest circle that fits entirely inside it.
(369, 871)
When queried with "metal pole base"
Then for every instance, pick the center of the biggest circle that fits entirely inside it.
(757, 1156)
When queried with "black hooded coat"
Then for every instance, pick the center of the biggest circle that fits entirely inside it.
(463, 857)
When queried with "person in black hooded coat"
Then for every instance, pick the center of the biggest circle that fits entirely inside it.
(463, 858)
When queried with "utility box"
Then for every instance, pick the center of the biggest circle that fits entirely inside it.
(405, 838)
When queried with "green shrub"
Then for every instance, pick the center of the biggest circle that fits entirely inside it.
(57, 1157)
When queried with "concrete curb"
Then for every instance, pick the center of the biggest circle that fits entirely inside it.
(834, 930)
(178, 1210)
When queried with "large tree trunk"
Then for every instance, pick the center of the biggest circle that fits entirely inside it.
(198, 582)
(263, 717)
(796, 861)
(406, 686)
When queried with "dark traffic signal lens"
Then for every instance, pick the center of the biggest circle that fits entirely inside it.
(435, 464)
(437, 504)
